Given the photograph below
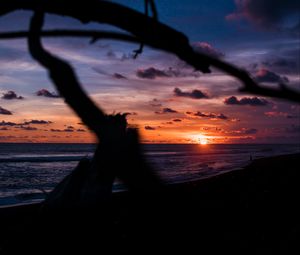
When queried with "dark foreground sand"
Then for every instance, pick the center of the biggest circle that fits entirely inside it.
(249, 211)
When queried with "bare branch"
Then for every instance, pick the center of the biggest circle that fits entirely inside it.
(67, 84)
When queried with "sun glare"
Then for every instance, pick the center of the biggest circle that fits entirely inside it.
(202, 141)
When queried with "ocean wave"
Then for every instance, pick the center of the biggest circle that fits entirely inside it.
(42, 159)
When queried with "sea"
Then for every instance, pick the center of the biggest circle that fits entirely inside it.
(29, 171)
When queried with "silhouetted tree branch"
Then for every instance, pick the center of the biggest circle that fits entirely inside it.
(118, 148)
(152, 33)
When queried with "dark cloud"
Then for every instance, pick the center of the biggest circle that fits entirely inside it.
(38, 122)
(286, 61)
(111, 54)
(212, 116)
(80, 130)
(206, 48)
(28, 128)
(119, 76)
(155, 103)
(10, 124)
(131, 113)
(114, 75)
(177, 120)
(55, 130)
(62, 130)
(264, 75)
(253, 101)
(150, 128)
(46, 93)
(249, 131)
(267, 13)
(166, 110)
(68, 130)
(4, 111)
(4, 128)
(281, 114)
(195, 94)
(151, 73)
(281, 63)
(11, 95)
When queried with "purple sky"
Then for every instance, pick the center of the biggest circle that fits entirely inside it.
(156, 89)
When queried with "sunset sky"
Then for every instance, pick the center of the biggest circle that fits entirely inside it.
(167, 100)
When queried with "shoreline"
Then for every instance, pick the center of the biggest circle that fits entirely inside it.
(262, 161)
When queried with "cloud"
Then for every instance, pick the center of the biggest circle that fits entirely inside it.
(68, 130)
(155, 103)
(80, 130)
(38, 122)
(4, 111)
(288, 63)
(254, 101)
(11, 95)
(208, 49)
(281, 114)
(62, 130)
(10, 124)
(280, 63)
(151, 73)
(118, 76)
(195, 94)
(266, 13)
(150, 128)
(46, 93)
(4, 128)
(55, 130)
(177, 120)
(103, 72)
(166, 110)
(28, 128)
(264, 75)
(249, 131)
(242, 131)
(212, 116)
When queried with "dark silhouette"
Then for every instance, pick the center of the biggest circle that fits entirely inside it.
(83, 215)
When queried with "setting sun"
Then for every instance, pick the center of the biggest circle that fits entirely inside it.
(203, 141)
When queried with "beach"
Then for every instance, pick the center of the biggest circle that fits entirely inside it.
(253, 210)
(29, 171)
